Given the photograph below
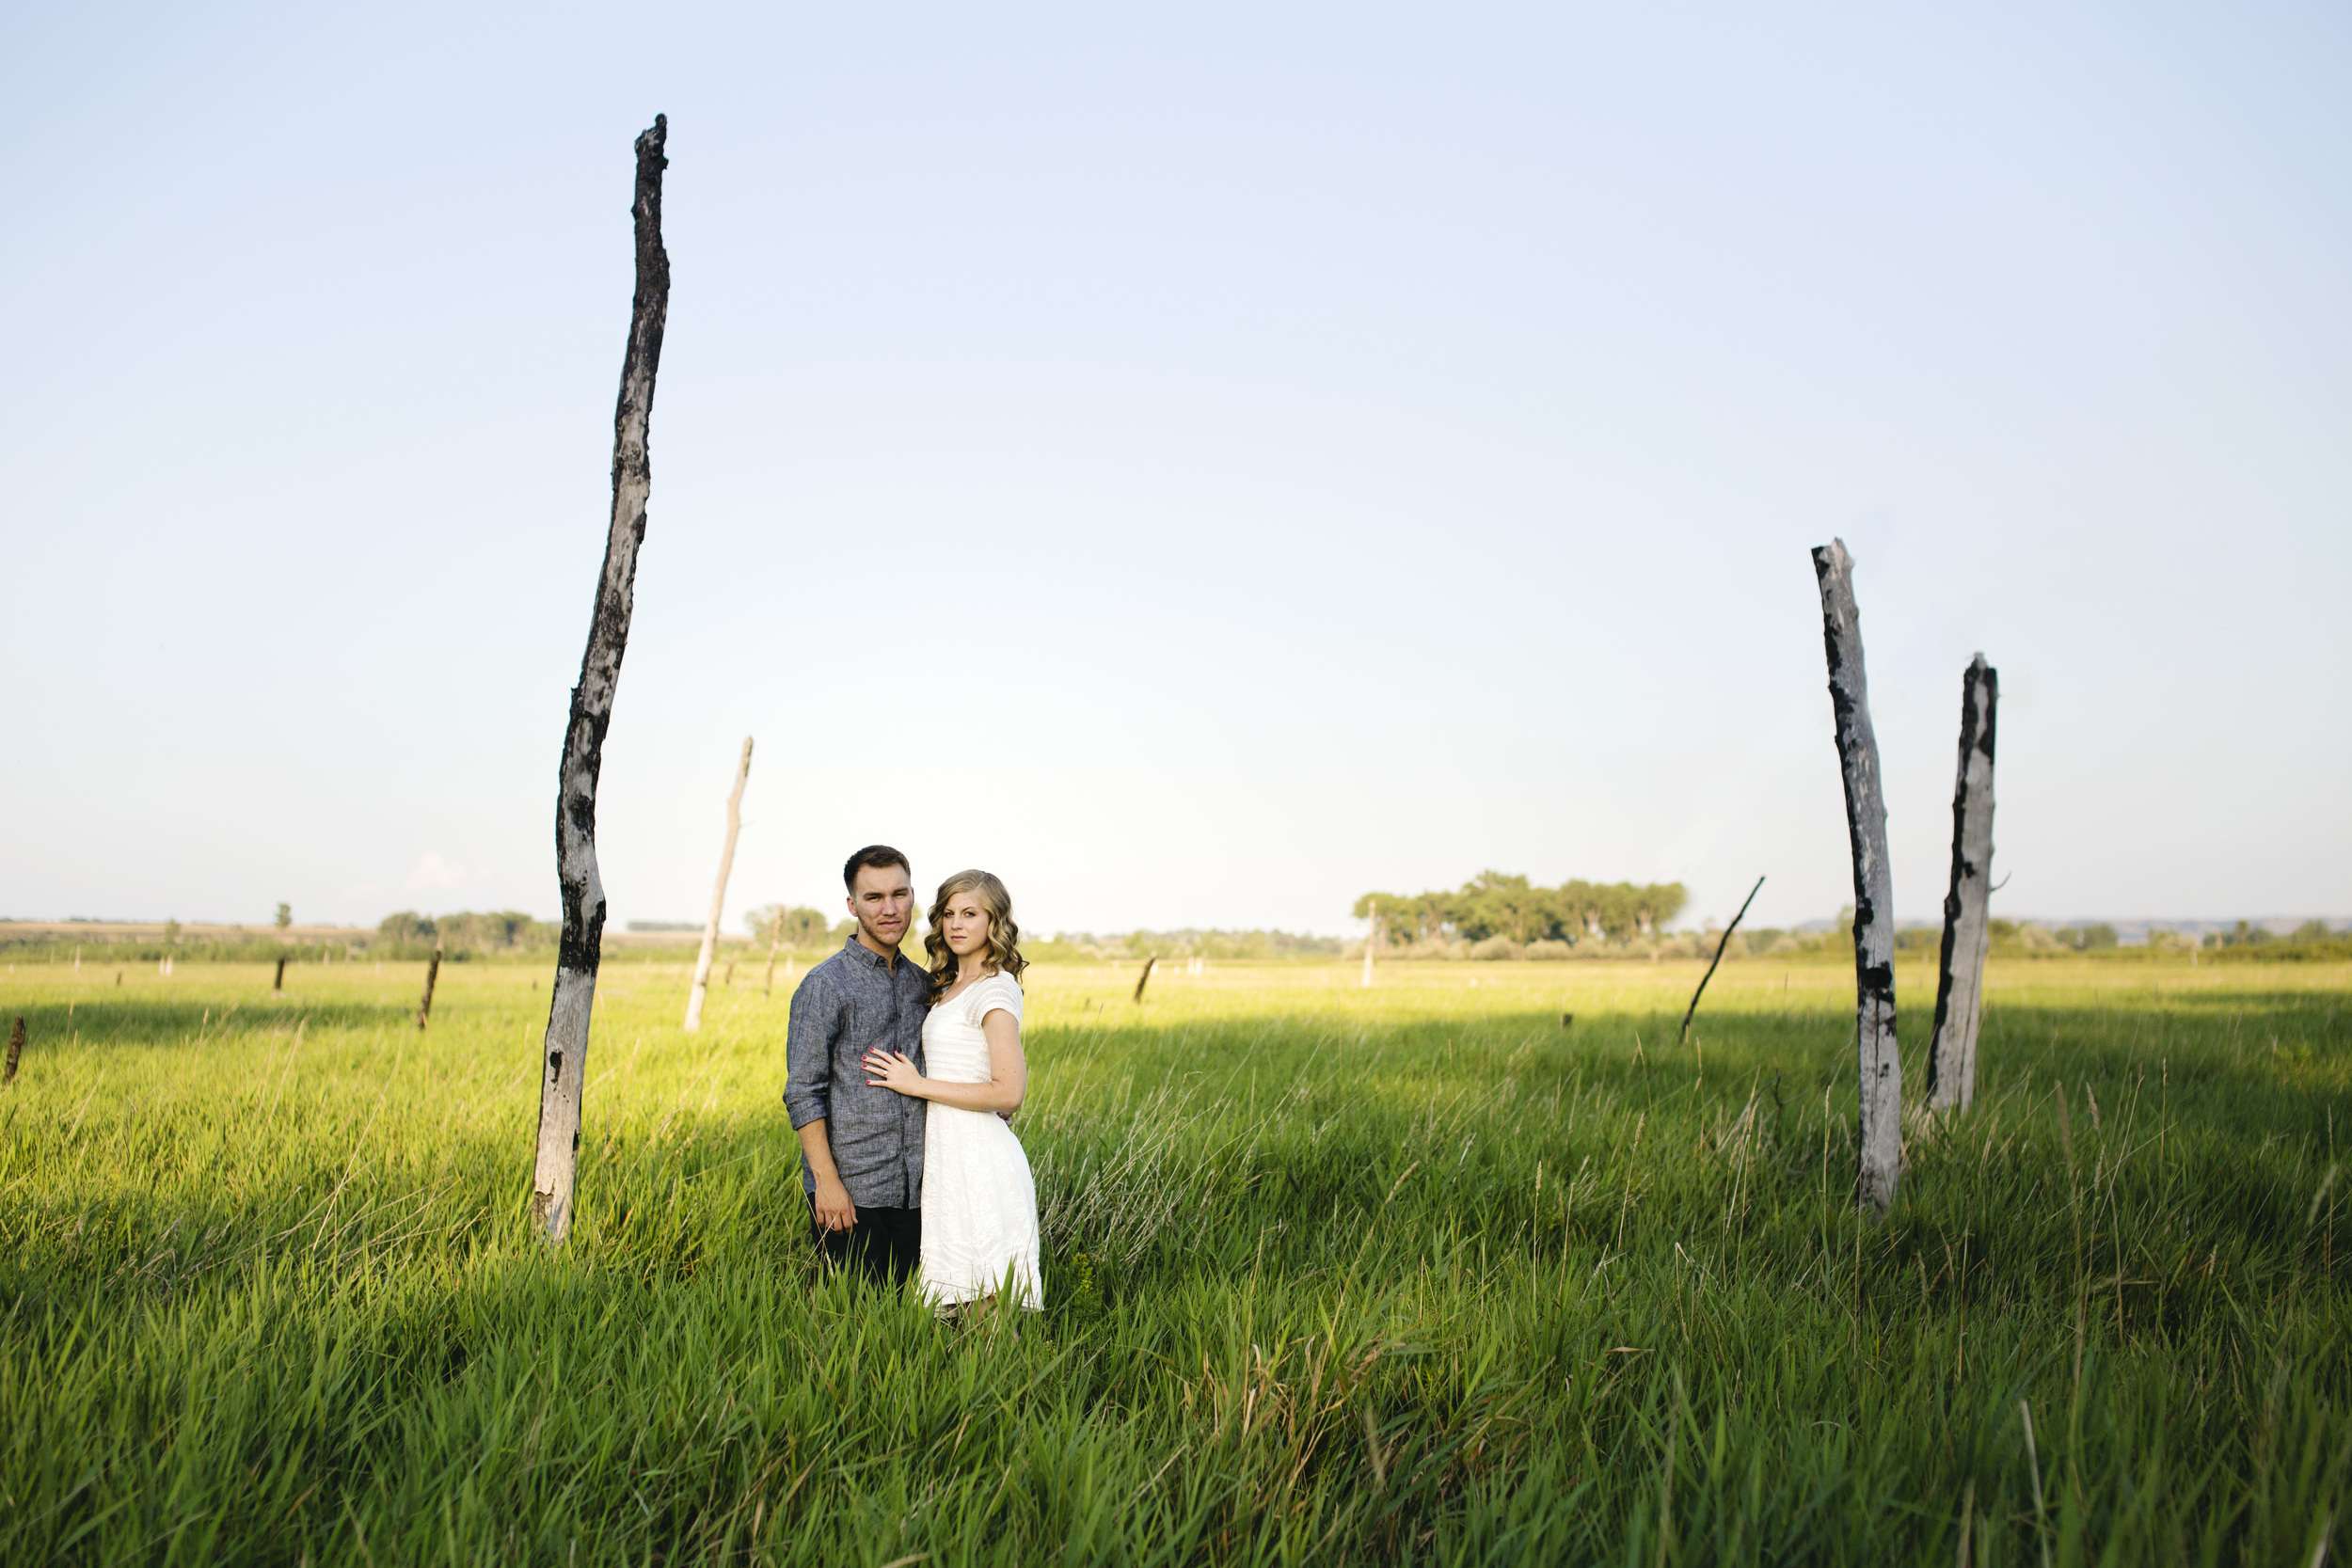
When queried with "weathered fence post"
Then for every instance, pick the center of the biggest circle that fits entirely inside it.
(16, 1050)
(1880, 1070)
(1148, 964)
(1694, 1007)
(1967, 930)
(564, 1057)
(432, 974)
(719, 895)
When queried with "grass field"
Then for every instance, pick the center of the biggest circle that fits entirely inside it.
(1408, 1275)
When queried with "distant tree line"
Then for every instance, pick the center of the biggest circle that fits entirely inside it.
(462, 936)
(1496, 905)
(102, 947)
(1188, 942)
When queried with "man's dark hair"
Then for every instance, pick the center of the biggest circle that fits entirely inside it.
(876, 856)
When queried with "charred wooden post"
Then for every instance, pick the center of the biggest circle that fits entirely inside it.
(719, 895)
(279, 984)
(1148, 964)
(1880, 1068)
(1718, 959)
(16, 1050)
(563, 1055)
(1967, 929)
(432, 974)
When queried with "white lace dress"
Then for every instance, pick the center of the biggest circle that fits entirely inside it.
(979, 1205)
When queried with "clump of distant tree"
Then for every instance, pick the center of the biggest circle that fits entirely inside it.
(802, 925)
(1499, 914)
(462, 936)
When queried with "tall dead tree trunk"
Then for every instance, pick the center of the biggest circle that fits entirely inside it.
(1960, 979)
(719, 893)
(564, 1057)
(1880, 1068)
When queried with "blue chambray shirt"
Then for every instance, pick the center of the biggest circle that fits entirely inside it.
(855, 1001)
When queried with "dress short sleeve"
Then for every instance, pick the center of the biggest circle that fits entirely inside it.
(997, 990)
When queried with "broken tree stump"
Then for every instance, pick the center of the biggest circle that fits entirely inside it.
(1967, 928)
(563, 1055)
(1879, 1068)
(719, 895)
(432, 974)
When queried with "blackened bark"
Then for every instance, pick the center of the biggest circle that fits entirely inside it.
(431, 974)
(1718, 959)
(279, 983)
(1960, 979)
(564, 1055)
(1879, 1065)
(719, 896)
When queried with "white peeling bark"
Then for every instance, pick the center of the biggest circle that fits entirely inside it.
(719, 893)
(563, 1058)
(1960, 983)
(1881, 1074)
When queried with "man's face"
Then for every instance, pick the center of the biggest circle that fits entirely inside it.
(881, 900)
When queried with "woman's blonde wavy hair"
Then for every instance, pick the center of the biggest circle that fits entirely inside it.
(1004, 936)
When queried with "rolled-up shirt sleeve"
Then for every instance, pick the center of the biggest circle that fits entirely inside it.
(818, 1018)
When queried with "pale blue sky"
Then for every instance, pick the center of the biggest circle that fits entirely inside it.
(1201, 462)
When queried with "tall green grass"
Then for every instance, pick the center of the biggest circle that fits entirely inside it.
(1411, 1274)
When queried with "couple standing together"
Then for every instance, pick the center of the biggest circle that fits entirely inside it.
(901, 1082)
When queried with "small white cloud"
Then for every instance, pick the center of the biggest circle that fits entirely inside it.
(437, 874)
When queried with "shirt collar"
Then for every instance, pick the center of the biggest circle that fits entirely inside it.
(872, 958)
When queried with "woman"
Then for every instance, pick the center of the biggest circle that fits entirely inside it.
(980, 1206)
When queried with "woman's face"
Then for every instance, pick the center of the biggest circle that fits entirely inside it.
(964, 924)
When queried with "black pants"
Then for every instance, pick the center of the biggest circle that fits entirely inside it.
(886, 1244)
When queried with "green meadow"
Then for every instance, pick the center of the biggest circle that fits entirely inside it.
(1414, 1274)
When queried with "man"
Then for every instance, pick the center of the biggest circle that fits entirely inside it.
(862, 1145)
